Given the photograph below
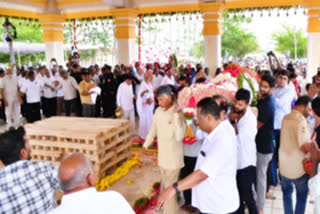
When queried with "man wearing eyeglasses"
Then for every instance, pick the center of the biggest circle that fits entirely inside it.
(284, 96)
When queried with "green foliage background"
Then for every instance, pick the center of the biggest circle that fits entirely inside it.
(27, 31)
(235, 40)
(285, 41)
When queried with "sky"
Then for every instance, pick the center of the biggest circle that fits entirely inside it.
(263, 27)
(171, 37)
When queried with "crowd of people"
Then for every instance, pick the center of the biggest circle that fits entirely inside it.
(239, 156)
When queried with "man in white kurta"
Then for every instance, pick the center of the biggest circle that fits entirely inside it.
(157, 79)
(125, 98)
(168, 79)
(10, 95)
(145, 106)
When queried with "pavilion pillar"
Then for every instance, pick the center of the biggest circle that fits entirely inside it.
(313, 57)
(212, 31)
(126, 35)
(52, 25)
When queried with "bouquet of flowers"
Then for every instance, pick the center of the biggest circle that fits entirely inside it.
(222, 84)
(188, 116)
(245, 79)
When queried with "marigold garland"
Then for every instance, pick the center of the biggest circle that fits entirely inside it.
(120, 172)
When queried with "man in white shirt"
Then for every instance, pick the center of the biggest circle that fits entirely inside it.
(80, 196)
(10, 94)
(32, 90)
(70, 87)
(139, 75)
(157, 77)
(245, 125)
(49, 94)
(284, 95)
(168, 79)
(213, 182)
(125, 99)
(40, 77)
(59, 90)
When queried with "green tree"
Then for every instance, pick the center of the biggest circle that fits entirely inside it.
(235, 40)
(27, 31)
(197, 49)
(291, 39)
(93, 33)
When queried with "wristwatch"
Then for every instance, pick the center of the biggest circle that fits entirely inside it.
(175, 186)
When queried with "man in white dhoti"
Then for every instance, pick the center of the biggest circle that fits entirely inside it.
(10, 95)
(145, 105)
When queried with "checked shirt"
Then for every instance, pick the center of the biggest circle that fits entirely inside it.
(28, 187)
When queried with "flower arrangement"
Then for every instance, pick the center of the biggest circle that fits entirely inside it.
(145, 203)
(233, 69)
(244, 76)
(226, 83)
(222, 84)
(120, 172)
(188, 116)
(241, 78)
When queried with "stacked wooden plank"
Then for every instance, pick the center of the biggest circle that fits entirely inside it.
(105, 141)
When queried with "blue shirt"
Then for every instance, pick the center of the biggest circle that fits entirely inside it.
(284, 97)
(266, 113)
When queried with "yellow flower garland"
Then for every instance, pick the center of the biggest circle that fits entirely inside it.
(121, 171)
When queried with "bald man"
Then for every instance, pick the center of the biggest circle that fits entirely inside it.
(80, 196)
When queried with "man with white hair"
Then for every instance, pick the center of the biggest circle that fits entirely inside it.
(10, 94)
(78, 183)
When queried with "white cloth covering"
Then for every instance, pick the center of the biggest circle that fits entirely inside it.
(96, 91)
